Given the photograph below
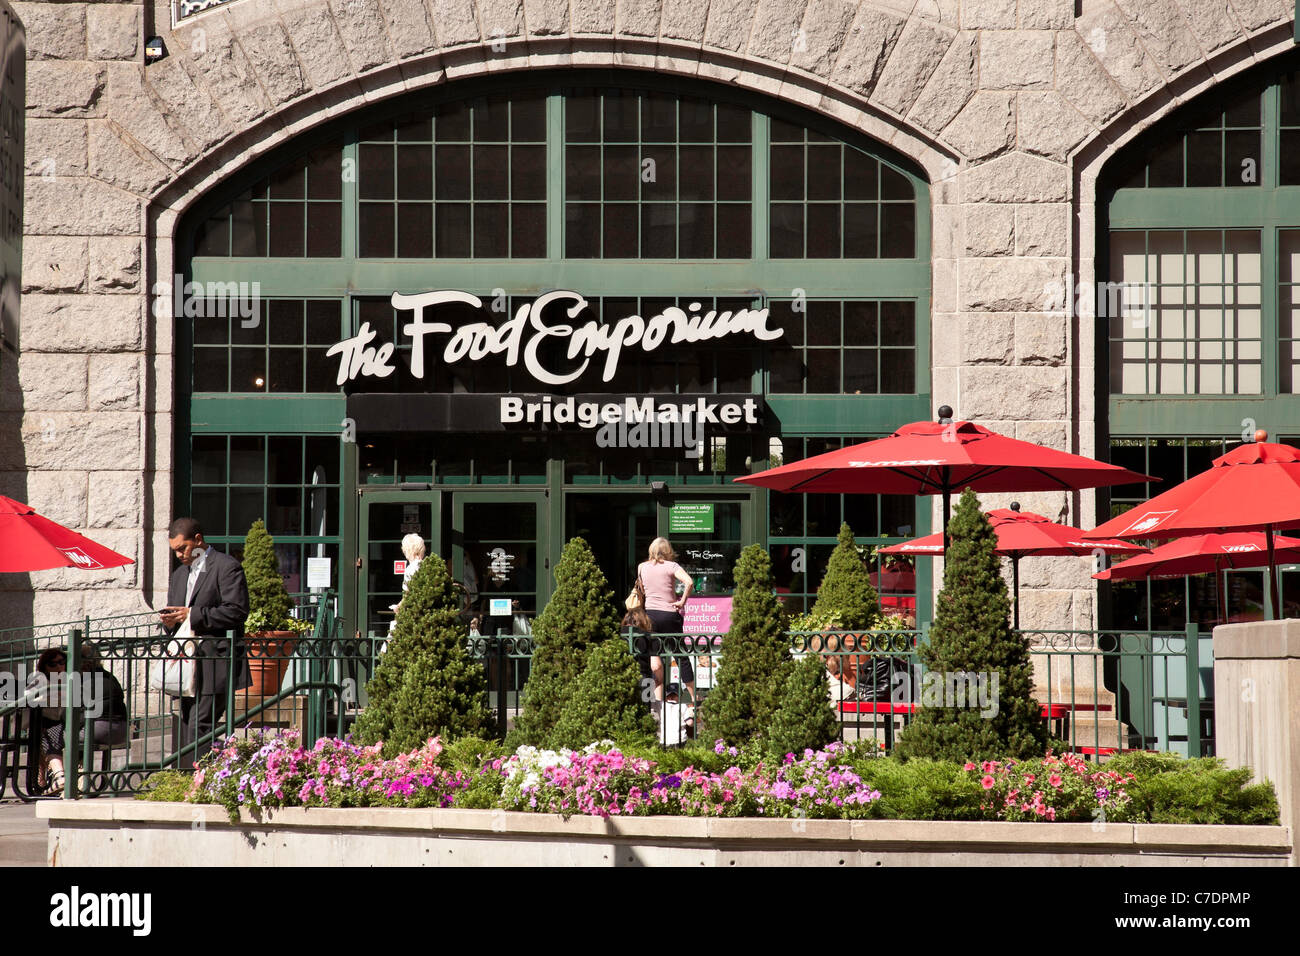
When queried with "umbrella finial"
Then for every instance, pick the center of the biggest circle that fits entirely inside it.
(1015, 506)
(1261, 435)
(945, 414)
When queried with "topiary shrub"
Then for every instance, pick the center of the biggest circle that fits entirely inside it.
(579, 614)
(755, 658)
(426, 683)
(606, 703)
(803, 717)
(972, 633)
(846, 589)
(1170, 788)
(268, 601)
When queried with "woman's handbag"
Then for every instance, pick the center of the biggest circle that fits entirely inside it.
(174, 676)
(636, 599)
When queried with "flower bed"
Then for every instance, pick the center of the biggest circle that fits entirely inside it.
(601, 780)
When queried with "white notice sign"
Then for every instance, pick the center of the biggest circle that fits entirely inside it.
(499, 607)
(318, 572)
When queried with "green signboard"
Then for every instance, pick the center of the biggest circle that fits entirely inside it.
(688, 518)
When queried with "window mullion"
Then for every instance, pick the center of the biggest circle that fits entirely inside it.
(1269, 247)
(350, 213)
(761, 126)
(555, 164)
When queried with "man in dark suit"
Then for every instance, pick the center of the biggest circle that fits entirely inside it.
(209, 590)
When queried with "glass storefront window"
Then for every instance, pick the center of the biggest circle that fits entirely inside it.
(278, 348)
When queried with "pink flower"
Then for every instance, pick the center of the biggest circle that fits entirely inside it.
(987, 782)
(968, 766)
(1055, 780)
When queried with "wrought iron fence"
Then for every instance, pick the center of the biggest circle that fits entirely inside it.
(1101, 691)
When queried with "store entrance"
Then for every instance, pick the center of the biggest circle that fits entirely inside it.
(706, 531)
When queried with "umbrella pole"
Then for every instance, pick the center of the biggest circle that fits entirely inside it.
(947, 504)
(1220, 592)
(1273, 579)
(1015, 585)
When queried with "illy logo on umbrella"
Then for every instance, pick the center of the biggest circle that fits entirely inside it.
(1151, 519)
(1240, 548)
(80, 558)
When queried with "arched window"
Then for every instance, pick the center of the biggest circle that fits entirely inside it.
(639, 193)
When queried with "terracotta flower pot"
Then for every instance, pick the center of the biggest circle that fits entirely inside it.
(269, 653)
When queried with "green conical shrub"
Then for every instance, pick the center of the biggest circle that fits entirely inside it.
(755, 656)
(268, 601)
(606, 703)
(846, 588)
(579, 614)
(972, 633)
(426, 683)
(803, 717)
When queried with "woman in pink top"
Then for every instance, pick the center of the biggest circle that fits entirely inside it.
(659, 575)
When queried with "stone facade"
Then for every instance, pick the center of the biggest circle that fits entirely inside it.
(1011, 107)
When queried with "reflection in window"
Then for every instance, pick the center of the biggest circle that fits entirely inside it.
(656, 176)
(465, 181)
(1222, 146)
(1190, 324)
(296, 212)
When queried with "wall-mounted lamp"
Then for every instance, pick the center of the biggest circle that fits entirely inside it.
(154, 50)
(658, 487)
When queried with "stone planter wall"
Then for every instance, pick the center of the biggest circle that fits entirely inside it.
(135, 833)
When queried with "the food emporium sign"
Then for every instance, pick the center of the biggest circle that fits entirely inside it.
(522, 337)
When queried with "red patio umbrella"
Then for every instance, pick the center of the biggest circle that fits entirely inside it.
(1023, 534)
(1205, 554)
(30, 542)
(938, 458)
(1255, 487)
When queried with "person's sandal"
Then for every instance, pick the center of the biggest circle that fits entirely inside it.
(55, 787)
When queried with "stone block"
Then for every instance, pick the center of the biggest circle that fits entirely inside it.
(114, 382)
(1162, 29)
(1113, 42)
(55, 147)
(114, 499)
(114, 264)
(112, 31)
(1014, 393)
(638, 18)
(946, 340)
(218, 65)
(1017, 177)
(1255, 14)
(53, 382)
(989, 229)
(594, 16)
(1081, 79)
(1213, 23)
(1046, 14)
(1016, 60)
(410, 31)
(271, 56)
(1008, 285)
(776, 27)
(58, 495)
(987, 338)
(81, 323)
(684, 20)
(985, 127)
(115, 601)
(1046, 610)
(911, 63)
(64, 89)
(55, 264)
(315, 38)
(951, 84)
(867, 47)
(1041, 339)
(117, 159)
(1049, 435)
(729, 23)
(1048, 125)
(28, 607)
(948, 221)
(1042, 229)
(70, 206)
(134, 108)
(55, 31)
(546, 17)
(943, 288)
(988, 15)
(822, 33)
(66, 441)
(189, 108)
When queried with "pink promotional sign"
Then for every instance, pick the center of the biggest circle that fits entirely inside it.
(707, 615)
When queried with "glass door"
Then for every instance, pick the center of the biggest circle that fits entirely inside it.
(707, 533)
(498, 546)
(386, 518)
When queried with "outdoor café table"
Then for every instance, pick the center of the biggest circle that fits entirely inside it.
(1058, 712)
